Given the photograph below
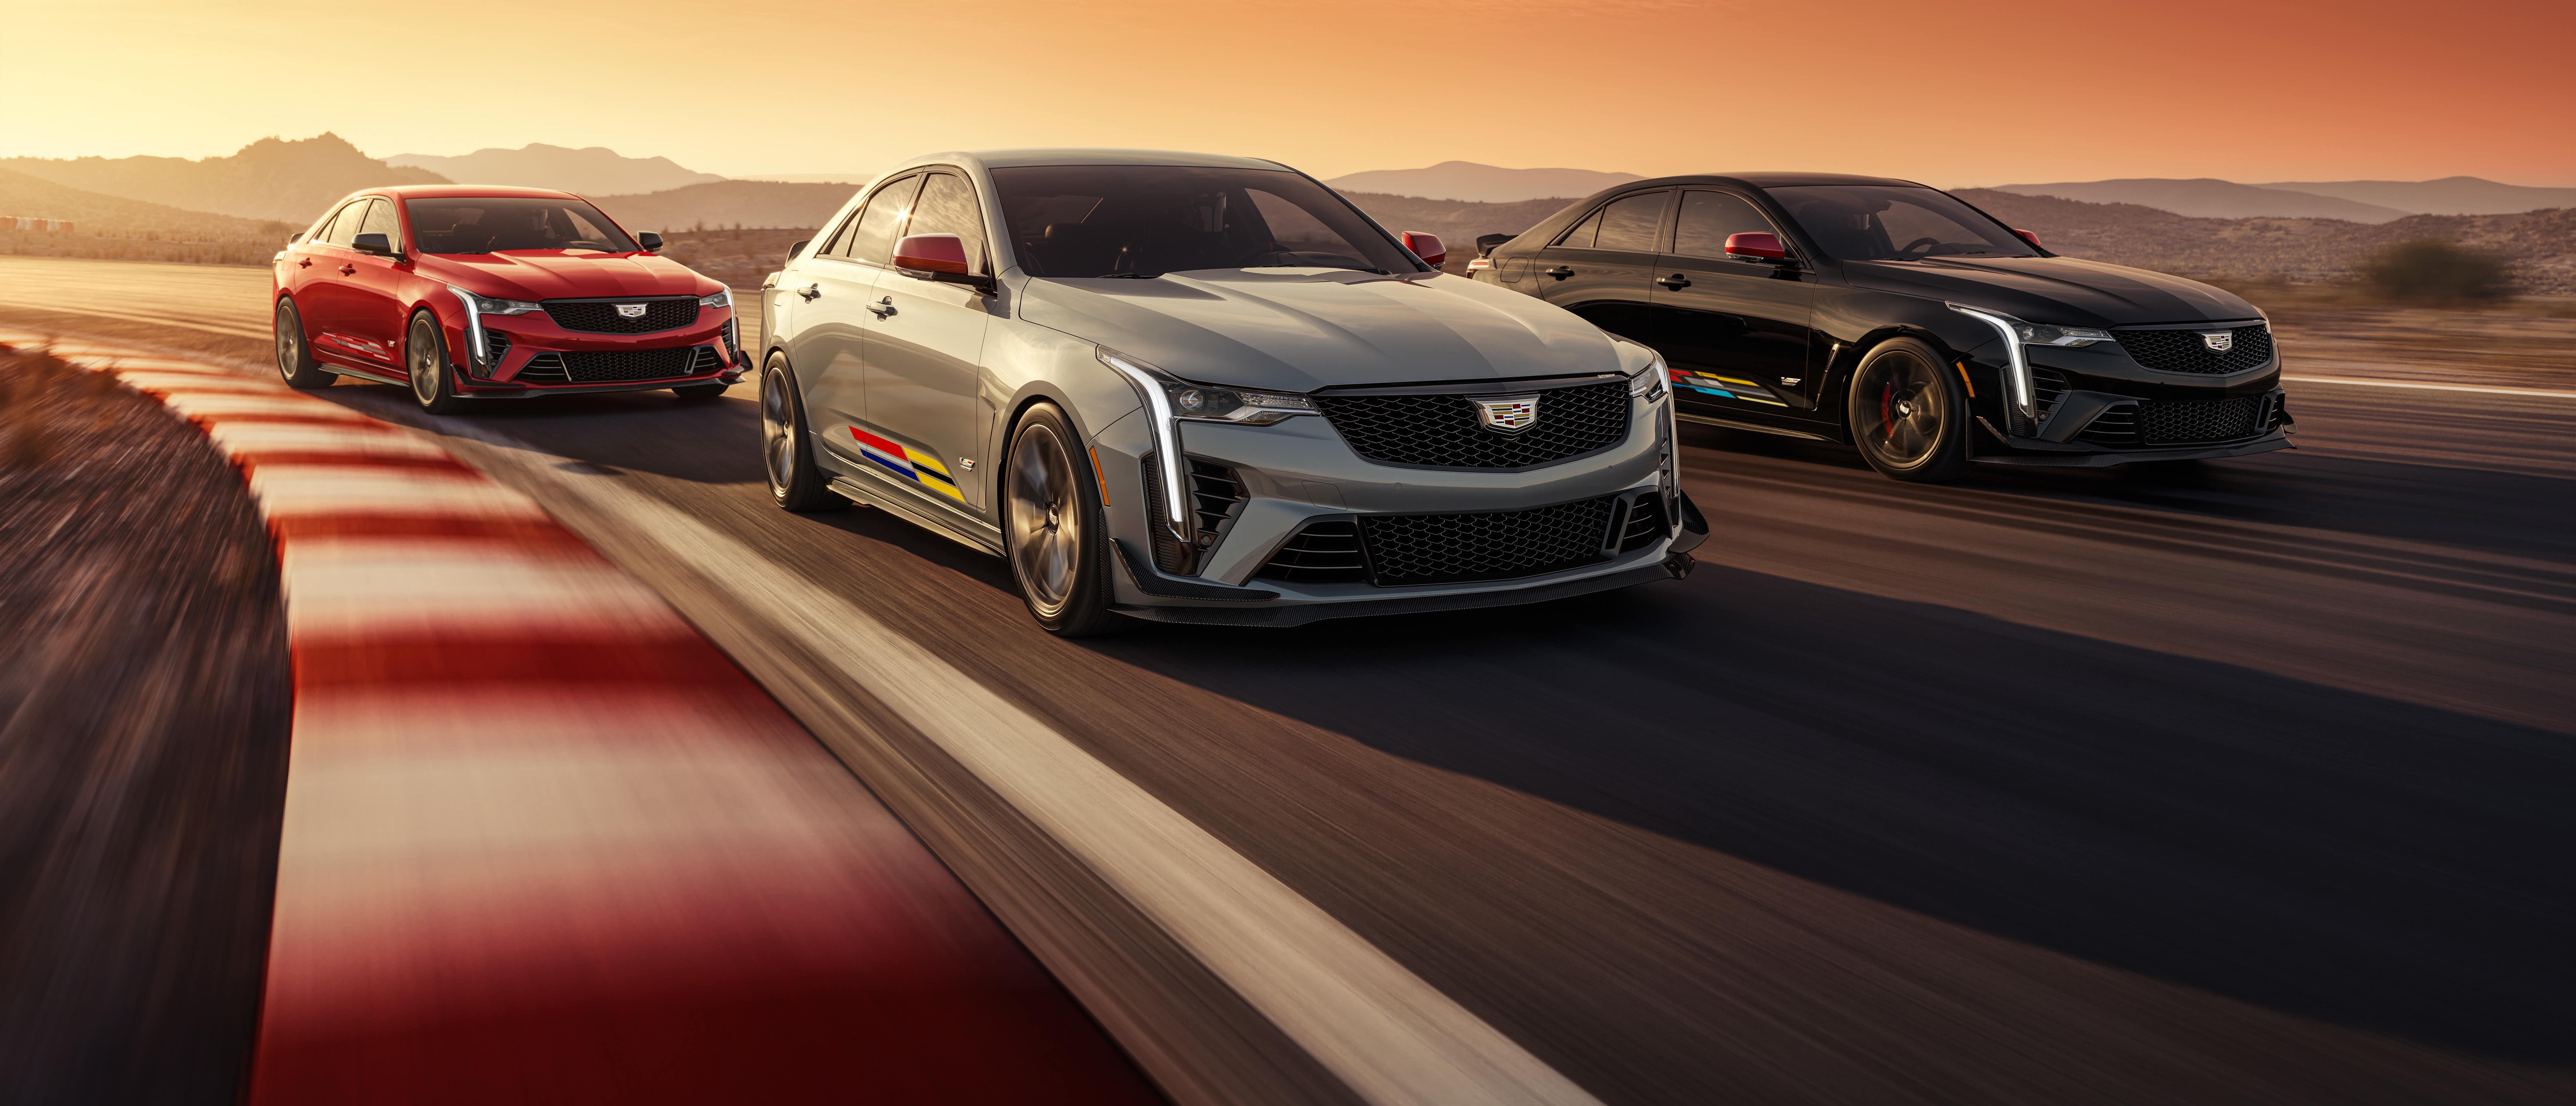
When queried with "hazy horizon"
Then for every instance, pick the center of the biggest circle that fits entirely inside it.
(1998, 92)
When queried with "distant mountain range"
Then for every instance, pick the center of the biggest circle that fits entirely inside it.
(591, 170)
(95, 214)
(2355, 201)
(269, 179)
(1469, 181)
(745, 203)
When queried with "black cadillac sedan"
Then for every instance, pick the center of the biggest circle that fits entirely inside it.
(1904, 322)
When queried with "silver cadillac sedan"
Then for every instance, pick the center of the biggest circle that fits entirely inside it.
(1195, 388)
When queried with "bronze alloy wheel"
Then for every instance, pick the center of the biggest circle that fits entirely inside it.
(1907, 417)
(794, 482)
(294, 361)
(1049, 521)
(425, 362)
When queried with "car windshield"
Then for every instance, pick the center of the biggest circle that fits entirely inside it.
(1147, 220)
(492, 224)
(1888, 222)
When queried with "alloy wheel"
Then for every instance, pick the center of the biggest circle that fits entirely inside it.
(290, 344)
(1902, 408)
(422, 354)
(777, 431)
(1045, 520)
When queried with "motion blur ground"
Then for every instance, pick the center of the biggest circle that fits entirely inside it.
(2241, 783)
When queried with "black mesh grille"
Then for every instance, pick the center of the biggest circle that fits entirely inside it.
(1326, 552)
(1441, 431)
(601, 317)
(631, 364)
(2217, 420)
(1489, 545)
(2185, 351)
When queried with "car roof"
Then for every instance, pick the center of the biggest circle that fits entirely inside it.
(1006, 159)
(1770, 180)
(446, 191)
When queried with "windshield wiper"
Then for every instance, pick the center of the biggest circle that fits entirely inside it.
(1129, 276)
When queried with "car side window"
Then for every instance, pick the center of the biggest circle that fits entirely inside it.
(344, 226)
(380, 220)
(1707, 219)
(872, 239)
(1582, 233)
(1631, 223)
(947, 206)
(840, 235)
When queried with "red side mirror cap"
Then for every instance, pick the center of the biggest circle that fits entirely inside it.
(1756, 244)
(931, 253)
(2033, 239)
(1427, 247)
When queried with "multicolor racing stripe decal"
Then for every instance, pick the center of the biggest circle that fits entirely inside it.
(908, 463)
(1723, 387)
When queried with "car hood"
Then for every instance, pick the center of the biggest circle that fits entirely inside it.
(1295, 330)
(2065, 291)
(567, 274)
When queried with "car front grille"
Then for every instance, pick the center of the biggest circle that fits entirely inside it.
(620, 366)
(1646, 523)
(2184, 351)
(1442, 431)
(2216, 420)
(1485, 545)
(601, 317)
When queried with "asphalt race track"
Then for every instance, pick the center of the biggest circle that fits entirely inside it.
(2246, 782)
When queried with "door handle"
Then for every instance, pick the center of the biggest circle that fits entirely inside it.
(810, 291)
(884, 307)
(1676, 282)
(347, 269)
(1560, 272)
(303, 263)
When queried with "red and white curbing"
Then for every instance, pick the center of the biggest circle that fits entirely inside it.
(544, 843)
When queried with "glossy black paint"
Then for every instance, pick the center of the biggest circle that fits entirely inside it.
(1784, 337)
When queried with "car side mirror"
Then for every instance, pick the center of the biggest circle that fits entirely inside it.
(2033, 239)
(1756, 246)
(1486, 244)
(373, 242)
(1427, 247)
(938, 257)
(651, 242)
(798, 248)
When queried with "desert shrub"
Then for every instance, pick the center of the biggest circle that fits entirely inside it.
(2435, 269)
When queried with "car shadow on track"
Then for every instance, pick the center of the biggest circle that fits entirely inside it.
(2340, 856)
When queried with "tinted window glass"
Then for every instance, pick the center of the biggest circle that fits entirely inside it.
(1879, 222)
(492, 224)
(1709, 217)
(1630, 224)
(947, 206)
(345, 225)
(380, 220)
(1582, 233)
(1146, 220)
(832, 245)
(872, 237)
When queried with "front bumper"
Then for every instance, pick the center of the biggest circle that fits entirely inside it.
(1278, 481)
(532, 356)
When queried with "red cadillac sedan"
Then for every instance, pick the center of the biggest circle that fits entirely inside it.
(464, 293)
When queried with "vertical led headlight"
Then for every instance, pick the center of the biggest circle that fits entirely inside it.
(1177, 516)
(2017, 368)
(1173, 401)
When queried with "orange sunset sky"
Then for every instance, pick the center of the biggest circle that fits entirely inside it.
(1959, 93)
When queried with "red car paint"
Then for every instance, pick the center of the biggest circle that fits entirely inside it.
(357, 306)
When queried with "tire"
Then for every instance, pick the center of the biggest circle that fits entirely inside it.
(295, 352)
(433, 377)
(786, 451)
(1055, 536)
(1908, 414)
(700, 393)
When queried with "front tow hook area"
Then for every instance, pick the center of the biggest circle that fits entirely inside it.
(1680, 565)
